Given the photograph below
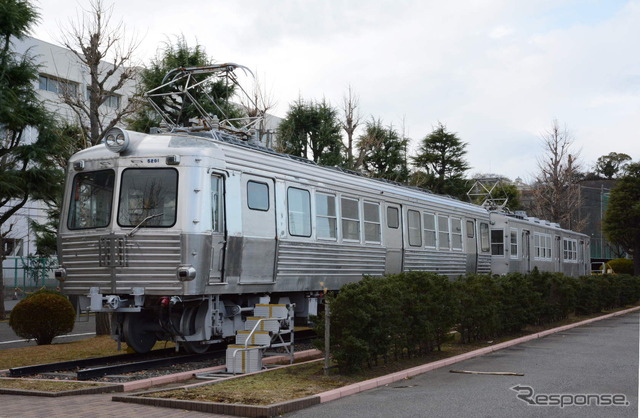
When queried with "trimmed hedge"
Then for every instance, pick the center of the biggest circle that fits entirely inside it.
(42, 316)
(410, 313)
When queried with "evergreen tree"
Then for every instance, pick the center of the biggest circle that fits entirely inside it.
(622, 219)
(382, 153)
(29, 138)
(311, 128)
(441, 155)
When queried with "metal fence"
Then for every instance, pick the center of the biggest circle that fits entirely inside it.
(26, 274)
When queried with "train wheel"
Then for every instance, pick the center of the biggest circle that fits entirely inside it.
(136, 333)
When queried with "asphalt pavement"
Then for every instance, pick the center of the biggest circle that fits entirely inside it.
(582, 372)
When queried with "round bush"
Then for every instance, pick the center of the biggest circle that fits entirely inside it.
(621, 266)
(42, 316)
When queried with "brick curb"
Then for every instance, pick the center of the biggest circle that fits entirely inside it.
(290, 406)
(103, 388)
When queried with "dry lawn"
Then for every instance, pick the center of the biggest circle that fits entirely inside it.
(41, 354)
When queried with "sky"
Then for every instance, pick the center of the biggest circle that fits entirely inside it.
(495, 72)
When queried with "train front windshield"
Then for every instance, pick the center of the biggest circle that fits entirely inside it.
(147, 198)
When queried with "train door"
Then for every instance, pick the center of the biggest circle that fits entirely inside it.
(558, 251)
(393, 239)
(218, 238)
(471, 246)
(258, 246)
(526, 251)
(582, 270)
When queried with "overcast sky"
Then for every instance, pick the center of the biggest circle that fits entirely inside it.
(496, 72)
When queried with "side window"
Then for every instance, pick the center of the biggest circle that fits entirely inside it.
(393, 218)
(514, 243)
(443, 232)
(350, 219)
(415, 231)
(484, 237)
(371, 222)
(326, 219)
(257, 195)
(497, 242)
(470, 229)
(299, 209)
(456, 233)
(429, 230)
(217, 206)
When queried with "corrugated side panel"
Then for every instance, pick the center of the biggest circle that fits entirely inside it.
(312, 260)
(447, 263)
(150, 262)
(484, 264)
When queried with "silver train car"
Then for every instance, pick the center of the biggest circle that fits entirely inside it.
(180, 235)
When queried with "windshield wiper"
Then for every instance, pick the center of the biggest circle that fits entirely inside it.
(133, 231)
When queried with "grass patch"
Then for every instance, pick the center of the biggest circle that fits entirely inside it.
(41, 354)
(265, 388)
(44, 385)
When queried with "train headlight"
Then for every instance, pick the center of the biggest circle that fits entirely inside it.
(186, 273)
(60, 274)
(116, 140)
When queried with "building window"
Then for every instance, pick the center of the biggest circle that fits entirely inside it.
(444, 242)
(350, 219)
(456, 233)
(326, 219)
(413, 224)
(112, 101)
(497, 242)
(57, 85)
(430, 239)
(513, 243)
(257, 195)
(299, 207)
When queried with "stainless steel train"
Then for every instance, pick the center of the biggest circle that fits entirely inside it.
(180, 234)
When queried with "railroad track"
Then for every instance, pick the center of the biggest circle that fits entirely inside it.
(94, 368)
(98, 367)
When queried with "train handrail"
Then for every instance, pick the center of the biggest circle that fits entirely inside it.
(246, 342)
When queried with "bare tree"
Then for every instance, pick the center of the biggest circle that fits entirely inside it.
(350, 123)
(556, 191)
(257, 103)
(94, 39)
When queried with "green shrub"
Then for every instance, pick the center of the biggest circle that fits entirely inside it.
(479, 307)
(519, 302)
(42, 316)
(557, 293)
(621, 266)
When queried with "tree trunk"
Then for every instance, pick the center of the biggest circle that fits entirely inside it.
(636, 261)
(103, 323)
(2, 315)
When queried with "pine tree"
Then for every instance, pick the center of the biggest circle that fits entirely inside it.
(622, 219)
(441, 155)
